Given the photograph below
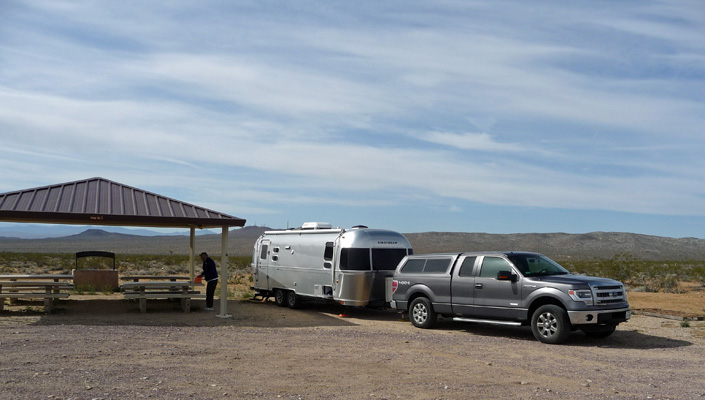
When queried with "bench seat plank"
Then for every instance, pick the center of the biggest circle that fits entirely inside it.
(7, 295)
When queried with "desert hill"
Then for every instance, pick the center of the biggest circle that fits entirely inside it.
(555, 245)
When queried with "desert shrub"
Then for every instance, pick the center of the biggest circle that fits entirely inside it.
(652, 276)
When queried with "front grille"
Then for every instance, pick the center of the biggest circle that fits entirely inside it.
(612, 294)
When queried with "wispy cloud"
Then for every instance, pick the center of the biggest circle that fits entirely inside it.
(371, 105)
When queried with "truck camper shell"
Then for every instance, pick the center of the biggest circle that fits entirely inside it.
(349, 266)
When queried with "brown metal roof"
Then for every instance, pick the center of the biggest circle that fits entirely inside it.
(98, 201)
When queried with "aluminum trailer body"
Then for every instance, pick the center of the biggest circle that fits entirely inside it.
(349, 266)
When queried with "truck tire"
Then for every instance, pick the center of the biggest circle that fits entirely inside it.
(599, 332)
(421, 313)
(280, 297)
(293, 300)
(550, 324)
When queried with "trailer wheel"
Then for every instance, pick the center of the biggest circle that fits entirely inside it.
(421, 313)
(550, 324)
(279, 297)
(293, 300)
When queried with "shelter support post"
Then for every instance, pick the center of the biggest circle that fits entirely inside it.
(192, 252)
(224, 274)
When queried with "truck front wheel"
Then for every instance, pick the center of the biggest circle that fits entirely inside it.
(421, 313)
(550, 324)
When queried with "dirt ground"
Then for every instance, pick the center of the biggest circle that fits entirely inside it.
(102, 347)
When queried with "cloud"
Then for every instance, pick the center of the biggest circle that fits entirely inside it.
(460, 102)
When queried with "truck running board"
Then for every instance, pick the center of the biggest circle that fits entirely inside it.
(487, 321)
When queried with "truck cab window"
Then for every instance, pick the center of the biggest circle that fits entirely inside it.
(466, 268)
(492, 265)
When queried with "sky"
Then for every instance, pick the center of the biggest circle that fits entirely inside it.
(453, 116)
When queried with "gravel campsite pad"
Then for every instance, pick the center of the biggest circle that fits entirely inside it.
(102, 347)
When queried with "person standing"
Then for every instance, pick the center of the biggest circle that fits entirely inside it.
(210, 275)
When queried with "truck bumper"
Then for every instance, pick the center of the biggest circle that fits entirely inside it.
(599, 316)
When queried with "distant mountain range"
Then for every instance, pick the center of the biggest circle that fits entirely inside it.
(34, 231)
(559, 246)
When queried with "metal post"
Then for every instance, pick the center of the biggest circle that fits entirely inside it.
(192, 252)
(224, 274)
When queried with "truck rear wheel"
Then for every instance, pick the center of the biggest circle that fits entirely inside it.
(279, 297)
(550, 324)
(293, 300)
(421, 313)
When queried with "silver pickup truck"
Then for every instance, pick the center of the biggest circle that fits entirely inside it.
(510, 288)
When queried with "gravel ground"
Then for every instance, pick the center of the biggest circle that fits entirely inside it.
(106, 349)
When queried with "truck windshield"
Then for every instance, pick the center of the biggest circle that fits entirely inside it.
(534, 264)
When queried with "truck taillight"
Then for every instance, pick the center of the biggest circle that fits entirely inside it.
(395, 285)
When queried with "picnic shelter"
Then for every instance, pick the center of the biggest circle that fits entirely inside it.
(99, 201)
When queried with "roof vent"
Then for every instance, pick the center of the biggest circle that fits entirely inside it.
(316, 225)
(359, 227)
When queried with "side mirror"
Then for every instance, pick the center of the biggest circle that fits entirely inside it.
(507, 276)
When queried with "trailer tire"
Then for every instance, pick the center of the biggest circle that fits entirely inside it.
(550, 324)
(280, 297)
(293, 300)
(421, 313)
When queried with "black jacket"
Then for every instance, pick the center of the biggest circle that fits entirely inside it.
(210, 272)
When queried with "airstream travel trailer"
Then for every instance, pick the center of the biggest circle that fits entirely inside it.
(349, 266)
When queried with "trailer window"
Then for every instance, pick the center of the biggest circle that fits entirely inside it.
(387, 259)
(352, 259)
(328, 252)
(263, 255)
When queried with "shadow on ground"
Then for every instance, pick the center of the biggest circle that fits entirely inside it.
(624, 339)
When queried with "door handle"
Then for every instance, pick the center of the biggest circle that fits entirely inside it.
(478, 286)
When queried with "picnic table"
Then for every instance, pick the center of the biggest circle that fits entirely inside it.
(143, 288)
(47, 287)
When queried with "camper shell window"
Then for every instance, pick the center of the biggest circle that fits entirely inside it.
(387, 259)
(426, 266)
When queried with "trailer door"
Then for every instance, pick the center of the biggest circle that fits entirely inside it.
(261, 277)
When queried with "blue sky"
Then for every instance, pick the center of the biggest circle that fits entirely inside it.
(499, 117)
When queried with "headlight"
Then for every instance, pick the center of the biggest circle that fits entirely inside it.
(581, 295)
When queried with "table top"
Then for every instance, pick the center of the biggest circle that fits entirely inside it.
(47, 276)
(137, 278)
(158, 285)
(36, 283)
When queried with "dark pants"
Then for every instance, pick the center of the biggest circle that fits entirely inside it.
(210, 291)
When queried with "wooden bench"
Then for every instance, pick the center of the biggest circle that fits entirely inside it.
(31, 289)
(143, 290)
